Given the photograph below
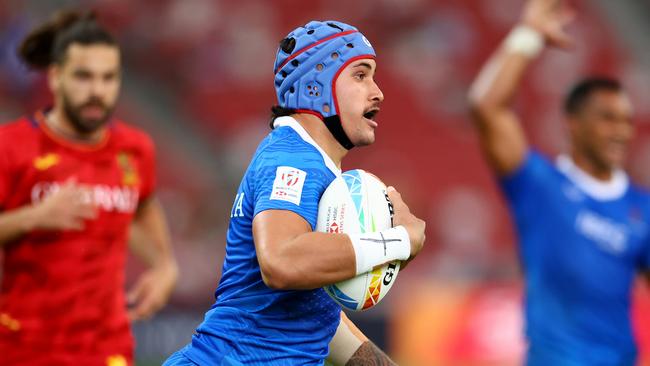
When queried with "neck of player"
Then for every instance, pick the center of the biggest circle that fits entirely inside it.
(316, 128)
(591, 167)
(59, 123)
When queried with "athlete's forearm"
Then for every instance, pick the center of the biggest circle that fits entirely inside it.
(315, 259)
(498, 81)
(292, 257)
(351, 347)
(369, 354)
(310, 260)
(500, 133)
(16, 223)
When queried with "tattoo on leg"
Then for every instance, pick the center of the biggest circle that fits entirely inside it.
(369, 355)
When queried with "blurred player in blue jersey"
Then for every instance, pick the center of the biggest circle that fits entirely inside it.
(270, 308)
(582, 226)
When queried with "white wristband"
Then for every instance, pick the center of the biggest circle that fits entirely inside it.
(374, 249)
(524, 40)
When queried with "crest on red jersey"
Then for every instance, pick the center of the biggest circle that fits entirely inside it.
(130, 175)
(46, 161)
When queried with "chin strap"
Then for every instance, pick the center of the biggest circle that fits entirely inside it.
(333, 124)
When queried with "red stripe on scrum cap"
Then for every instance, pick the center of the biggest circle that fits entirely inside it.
(309, 111)
(341, 34)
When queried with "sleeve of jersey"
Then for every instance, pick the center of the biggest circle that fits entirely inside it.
(527, 179)
(524, 187)
(148, 169)
(293, 184)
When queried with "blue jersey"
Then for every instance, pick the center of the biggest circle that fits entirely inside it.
(251, 323)
(581, 243)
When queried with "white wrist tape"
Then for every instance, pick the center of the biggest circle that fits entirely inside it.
(524, 40)
(374, 249)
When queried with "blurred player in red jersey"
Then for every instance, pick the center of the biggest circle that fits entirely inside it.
(75, 185)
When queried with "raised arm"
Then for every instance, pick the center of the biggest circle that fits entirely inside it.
(491, 94)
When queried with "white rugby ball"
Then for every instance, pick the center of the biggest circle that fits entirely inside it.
(356, 202)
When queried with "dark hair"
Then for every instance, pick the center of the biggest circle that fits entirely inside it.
(48, 43)
(278, 111)
(580, 93)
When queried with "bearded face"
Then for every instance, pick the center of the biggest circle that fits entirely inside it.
(86, 85)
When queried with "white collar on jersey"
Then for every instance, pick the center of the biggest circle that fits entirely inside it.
(596, 189)
(292, 123)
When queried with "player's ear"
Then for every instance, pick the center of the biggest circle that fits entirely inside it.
(54, 77)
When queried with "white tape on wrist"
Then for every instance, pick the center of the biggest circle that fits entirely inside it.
(524, 40)
(374, 249)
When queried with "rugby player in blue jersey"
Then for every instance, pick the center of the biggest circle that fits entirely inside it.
(582, 226)
(270, 308)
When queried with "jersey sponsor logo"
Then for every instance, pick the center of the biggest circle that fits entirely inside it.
(288, 184)
(110, 199)
(238, 206)
(609, 235)
(46, 161)
(290, 178)
(130, 175)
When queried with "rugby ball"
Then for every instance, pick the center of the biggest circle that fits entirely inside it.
(356, 202)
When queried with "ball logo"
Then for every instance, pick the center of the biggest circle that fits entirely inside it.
(391, 210)
(390, 273)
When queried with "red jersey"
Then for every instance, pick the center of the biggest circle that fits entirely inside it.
(62, 295)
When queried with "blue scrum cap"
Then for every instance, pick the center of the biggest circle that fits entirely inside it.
(310, 59)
